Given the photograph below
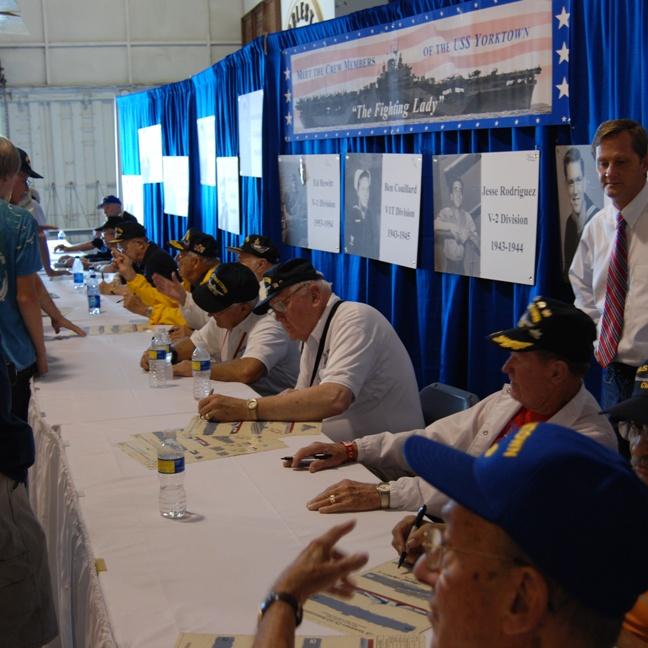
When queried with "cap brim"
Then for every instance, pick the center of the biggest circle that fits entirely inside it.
(633, 409)
(513, 339)
(177, 245)
(264, 306)
(32, 174)
(450, 471)
(238, 250)
(207, 301)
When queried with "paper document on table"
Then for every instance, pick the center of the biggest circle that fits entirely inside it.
(246, 641)
(387, 600)
(116, 329)
(203, 440)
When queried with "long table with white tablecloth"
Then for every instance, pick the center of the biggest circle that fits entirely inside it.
(159, 578)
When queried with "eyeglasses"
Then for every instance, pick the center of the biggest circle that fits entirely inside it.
(281, 306)
(630, 430)
(435, 546)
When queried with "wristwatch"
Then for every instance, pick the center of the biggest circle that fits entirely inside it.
(253, 405)
(273, 597)
(384, 490)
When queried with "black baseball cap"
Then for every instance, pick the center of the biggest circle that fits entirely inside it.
(127, 231)
(258, 246)
(109, 200)
(230, 283)
(25, 165)
(634, 408)
(551, 325)
(112, 222)
(284, 275)
(197, 242)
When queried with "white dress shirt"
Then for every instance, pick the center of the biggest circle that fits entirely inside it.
(589, 269)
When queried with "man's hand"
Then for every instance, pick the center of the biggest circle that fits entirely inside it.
(179, 333)
(61, 248)
(405, 537)
(172, 288)
(134, 304)
(125, 266)
(346, 496)
(183, 369)
(59, 322)
(144, 360)
(321, 567)
(223, 408)
(336, 450)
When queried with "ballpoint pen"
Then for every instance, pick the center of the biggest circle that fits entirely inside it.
(420, 514)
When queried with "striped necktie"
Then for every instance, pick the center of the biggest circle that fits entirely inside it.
(615, 296)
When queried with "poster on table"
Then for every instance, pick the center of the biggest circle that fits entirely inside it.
(250, 121)
(580, 196)
(382, 206)
(485, 215)
(175, 170)
(310, 201)
(132, 195)
(227, 174)
(206, 127)
(150, 153)
(472, 65)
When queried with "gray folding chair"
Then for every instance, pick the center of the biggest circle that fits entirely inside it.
(439, 400)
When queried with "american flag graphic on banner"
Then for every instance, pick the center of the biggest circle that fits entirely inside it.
(475, 65)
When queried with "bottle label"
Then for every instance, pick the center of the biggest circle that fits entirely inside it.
(157, 354)
(94, 301)
(78, 277)
(201, 365)
(171, 466)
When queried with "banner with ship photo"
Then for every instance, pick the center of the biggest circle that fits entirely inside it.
(227, 179)
(493, 63)
(310, 201)
(382, 206)
(485, 215)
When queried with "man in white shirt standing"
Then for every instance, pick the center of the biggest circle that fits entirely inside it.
(245, 347)
(609, 273)
(355, 374)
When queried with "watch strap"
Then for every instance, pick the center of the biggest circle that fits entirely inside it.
(285, 597)
(351, 450)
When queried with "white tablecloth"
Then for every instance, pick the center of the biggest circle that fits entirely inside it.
(205, 574)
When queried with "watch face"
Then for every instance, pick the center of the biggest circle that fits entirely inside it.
(252, 404)
(384, 488)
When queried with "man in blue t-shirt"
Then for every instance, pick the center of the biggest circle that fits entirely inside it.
(21, 328)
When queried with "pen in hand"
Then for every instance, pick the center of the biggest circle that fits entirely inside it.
(420, 514)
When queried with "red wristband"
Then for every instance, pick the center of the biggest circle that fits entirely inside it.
(351, 450)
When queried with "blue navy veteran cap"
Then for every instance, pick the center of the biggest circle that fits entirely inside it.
(551, 325)
(574, 507)
(284, 275)
(230, 283)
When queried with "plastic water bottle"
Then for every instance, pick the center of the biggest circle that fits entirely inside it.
(165, 342)
(77, 273)
(157, 363)
(94, 298)
(61, 235)
(171, 465)
(201, 370)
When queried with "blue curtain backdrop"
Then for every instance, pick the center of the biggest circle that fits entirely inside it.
(442, 319)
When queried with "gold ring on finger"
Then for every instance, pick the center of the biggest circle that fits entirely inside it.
(332, 498)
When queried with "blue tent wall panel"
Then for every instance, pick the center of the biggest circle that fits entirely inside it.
(442, 319)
